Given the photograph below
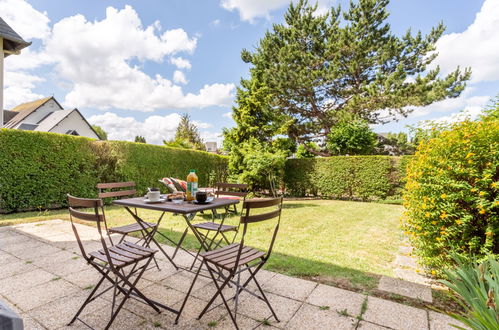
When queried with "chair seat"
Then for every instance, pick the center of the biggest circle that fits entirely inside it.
(213, 226)
(131, 228)
(124, 254)
(226, 256)
(229, 197)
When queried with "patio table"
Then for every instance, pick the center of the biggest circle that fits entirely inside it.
(188, 211)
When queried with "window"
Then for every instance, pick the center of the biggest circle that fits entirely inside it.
(72, 132)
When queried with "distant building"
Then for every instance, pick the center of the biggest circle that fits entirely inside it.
(47, 115)
(211, 147)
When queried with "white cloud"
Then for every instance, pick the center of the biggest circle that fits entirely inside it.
(180, 62)
(18, 86)
(179, 77)
(476, 47)
(465, 102)
(95, 62)
(215, 22)
(228, 115)
(154, 128)
(28, 22)
(251, 9)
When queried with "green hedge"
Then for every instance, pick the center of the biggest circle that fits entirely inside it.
(37, 169)
(347, 177)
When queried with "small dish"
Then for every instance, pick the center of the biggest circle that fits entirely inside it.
(148, 201)
(208, 200)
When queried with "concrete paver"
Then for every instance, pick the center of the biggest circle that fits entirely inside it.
(336, 299)
(394, 315)
(405, 288)
(46, 282)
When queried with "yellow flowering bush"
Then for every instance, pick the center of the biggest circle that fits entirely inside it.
(451, 195)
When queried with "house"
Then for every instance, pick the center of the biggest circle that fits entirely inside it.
(211, 147)
(47, 115)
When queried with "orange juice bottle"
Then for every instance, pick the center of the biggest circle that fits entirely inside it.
(192, 185)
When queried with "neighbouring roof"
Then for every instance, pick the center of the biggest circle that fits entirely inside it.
(8, 115)
(12, 42)
(53, 119)
(25, 109)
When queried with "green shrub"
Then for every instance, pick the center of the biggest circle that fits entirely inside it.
(452, 194)
(477, 288)
(351, 177)
(37, 169)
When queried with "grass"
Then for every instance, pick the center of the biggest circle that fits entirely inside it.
(347, 244)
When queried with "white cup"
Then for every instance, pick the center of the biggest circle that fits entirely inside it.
(153, 196)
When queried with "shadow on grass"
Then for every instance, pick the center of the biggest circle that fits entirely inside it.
(317, 271)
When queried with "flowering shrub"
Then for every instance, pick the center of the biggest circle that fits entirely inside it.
(452, 194)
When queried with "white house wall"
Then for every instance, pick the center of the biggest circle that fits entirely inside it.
(74, 122)
(41, 112)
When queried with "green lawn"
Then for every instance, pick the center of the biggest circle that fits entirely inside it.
(348, 244)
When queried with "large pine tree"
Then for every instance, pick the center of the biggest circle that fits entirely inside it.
(309, 72)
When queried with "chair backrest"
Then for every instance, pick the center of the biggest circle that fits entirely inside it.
(232, 189)
(116, 189)
(275, 205)
(95, 214)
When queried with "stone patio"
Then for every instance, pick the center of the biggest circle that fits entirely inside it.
(43, 278)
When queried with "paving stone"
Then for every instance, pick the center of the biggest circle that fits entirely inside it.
(311, 317)
(405, 262)
(440, 321)
(44, 293)
(253, 307)
(369, 326)
(410, 276)
(337, 299)
(192, 310)
(165, 269)
(182, 281)
(14, 268)
(30, 324)
(7, 258)
(405, 250)
(34, 251)
(243, 322)
(23, 243)
(99, 318)
(24, 281)
(84, 279)
(58, 313)
(394, 315)
(405, 288)
(290, 287)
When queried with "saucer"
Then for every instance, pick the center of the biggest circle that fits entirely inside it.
(148, 201)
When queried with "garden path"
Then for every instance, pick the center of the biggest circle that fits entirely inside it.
(43, 277)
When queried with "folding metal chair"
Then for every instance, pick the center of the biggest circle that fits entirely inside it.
(225, 263)
(116, 263)
(231, 190)
(120, 190)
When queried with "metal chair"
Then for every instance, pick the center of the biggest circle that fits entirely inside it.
(231, 190)
(115, 190)
(224, 190)
(116, 263)
(225, 263)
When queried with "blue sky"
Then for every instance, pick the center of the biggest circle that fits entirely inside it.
(134, 66)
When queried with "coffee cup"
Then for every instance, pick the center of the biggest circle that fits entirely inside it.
(201, 196)
(153, 195)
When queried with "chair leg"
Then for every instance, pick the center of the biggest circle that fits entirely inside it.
(179, 243)
(89, 298)
(188, 293)
(252, 276)
(132, 288)
(219, 292)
